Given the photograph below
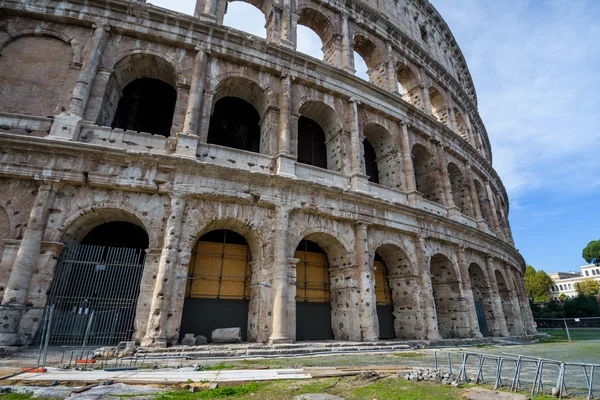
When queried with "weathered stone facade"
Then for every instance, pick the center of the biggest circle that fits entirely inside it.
(437, 216)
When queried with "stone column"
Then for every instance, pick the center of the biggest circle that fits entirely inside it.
(493, 211)
(467, 290)
(274, 24)
(391, 70)
(426, 100)
(505, 226)
(286, 162)
(287, 26)
(67, 125)
(369, 324)
(206, 114)
(187, 140)
(427, 299)
(514, 300)
(347, 54)
(446, 185)
(280, 284)
(453, 125)
(497, 301)
(407, 165)
(474, 197)
(29, 250)
(359, 179)
(156, 332)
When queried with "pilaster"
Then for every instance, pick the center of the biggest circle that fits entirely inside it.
(280, 285)
(369, 324)
(497, 301)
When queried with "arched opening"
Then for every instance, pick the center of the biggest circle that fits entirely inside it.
(507, 307)
(140, 95)
(319, 137)
(461, 125)
(235, 123)
(368, 51)
(96, 286)
(484, 203)
(460, 189)
(405, 288)
(147, 105)
(449, 303)
(426, 174)
(313, 293)
(482, 294)
(371, 168)
(438, 105)
(217, 293)
(311, 143)
(408, 83)
(253, 15)
(381, 156)
(33, 72)
(384, 300)
(314, 35)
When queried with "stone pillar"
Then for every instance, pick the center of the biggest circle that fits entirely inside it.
(156, 332)
(430, 313)
(446, 185)
(287, 26)
(280, 284)
(67, 125)
(369, 324)
(495, 221)
(408, 166)
(206, 114)
(505, 226)
(497, 301)
(347, 54)
(474, 197)
(274, 24)
(514, 300)
(426, 100)
(29, 250)
(452, 124)
(359, 179)
(285, 162)
(187, 140)
(467, 290)
(392, 79)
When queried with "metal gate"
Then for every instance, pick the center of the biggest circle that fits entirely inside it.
(480, 309)
(94, 294)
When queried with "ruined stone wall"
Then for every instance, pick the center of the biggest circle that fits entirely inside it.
(65, 171)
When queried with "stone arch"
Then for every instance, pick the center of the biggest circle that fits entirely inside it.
(406, 288)
(409, 83)
(386, 153)
(343, 306)
(482, 292)
(372, 55)
(266, 7)
(141, 93)
(484, 202)
(460, 189)
(14, 35)
(438, 105)
(322, 25)
(426, 174)
(329, 122)
(507, 306)
(449, 303)
(43, 62)
(461, 125)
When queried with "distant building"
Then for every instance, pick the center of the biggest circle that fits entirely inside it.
(565, 282)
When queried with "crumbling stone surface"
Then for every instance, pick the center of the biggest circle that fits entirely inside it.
(226, 335)
(438, 215)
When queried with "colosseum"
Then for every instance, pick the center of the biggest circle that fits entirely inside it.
(162, 174)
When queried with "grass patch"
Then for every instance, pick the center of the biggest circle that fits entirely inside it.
(16, 396)
(218, 393)
(218, 367)
(399, 389)
(576, 334)
(408, 354)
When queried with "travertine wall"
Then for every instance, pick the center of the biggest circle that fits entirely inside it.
(64, 171)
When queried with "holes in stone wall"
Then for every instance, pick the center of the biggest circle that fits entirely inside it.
(460, 189)
(426, 174)
(319, 130)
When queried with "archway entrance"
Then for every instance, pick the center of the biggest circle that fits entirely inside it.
(449, 303)
(313, 293)
(482, 295)
(507, 306)
(96, 286)
(384, 301)
(218, 287)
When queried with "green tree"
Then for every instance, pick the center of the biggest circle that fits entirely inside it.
(592, 251)
(562, 297)
(537, 284)
(588, 287)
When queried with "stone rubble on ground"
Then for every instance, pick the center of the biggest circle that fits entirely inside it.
(433, 375)
(227, 335)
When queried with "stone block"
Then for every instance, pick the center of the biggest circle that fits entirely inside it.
(201, 340)
(189, 339)
(227, 335)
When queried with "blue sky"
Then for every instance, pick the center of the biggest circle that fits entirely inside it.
(536, 66)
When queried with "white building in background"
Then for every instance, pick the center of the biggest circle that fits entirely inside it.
(565, 282)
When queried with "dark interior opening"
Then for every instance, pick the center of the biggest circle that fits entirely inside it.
(311, 143)
(117, 234)
(371, 168)
(235, 124)
(224, 236)
(147, 106)
(310, 247)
